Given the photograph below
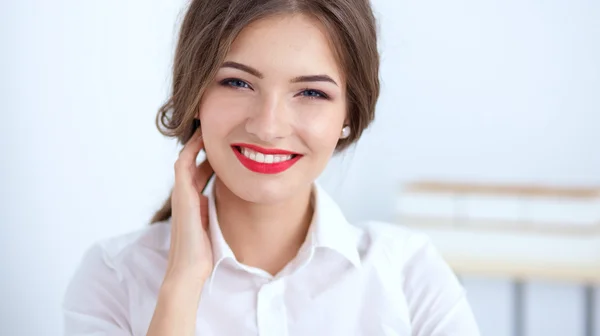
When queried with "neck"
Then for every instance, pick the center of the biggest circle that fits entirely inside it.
(266, 236)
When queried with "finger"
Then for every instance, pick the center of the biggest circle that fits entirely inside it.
(186, 161)
(204, 211)
(192, 147)
(203, 173)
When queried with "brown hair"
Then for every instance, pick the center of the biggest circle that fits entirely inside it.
(210, 27)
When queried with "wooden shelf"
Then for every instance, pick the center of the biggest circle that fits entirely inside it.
(527, 231)
(503, 189)
(525, 255)
(515, 269)
(500, 226)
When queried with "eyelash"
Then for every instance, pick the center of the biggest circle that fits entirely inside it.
(228, 83)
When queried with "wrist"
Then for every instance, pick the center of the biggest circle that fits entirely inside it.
(183, 285)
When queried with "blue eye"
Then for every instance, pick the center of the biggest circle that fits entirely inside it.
(235, 83)
(314, 94)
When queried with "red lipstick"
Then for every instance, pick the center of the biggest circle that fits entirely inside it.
(263, 167)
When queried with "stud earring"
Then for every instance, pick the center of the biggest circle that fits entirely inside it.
(345, 132)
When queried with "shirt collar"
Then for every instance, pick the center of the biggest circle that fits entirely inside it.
(328, 229)
(220, 248)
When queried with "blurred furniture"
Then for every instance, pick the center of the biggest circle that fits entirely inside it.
(517, 231)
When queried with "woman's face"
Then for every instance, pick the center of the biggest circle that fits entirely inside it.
(273, 115)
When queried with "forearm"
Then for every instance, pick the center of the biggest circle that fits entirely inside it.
(176, 308)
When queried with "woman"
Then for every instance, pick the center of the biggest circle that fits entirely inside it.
(270, 89)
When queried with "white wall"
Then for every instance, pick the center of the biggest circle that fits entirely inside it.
(81, 158)
(502, 90)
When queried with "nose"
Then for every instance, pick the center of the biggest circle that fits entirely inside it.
(269, 120)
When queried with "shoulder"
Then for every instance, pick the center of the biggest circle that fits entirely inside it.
(97, 296)
(399, 242)
(106, 261)
(153, 237)
(118, 253)
(408, 256)
(435, 298)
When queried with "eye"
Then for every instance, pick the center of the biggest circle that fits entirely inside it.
(314, 94)
(235, 83)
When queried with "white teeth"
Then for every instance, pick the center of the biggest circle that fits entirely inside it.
(264, 158)
(260, 157)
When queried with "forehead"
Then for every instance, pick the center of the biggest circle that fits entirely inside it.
(288, 45)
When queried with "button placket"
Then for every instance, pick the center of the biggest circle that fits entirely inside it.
(270, 311)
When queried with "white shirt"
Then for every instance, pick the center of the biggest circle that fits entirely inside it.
(376, 279)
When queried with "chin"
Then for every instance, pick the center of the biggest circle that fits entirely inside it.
(264, 189)
(269, 192)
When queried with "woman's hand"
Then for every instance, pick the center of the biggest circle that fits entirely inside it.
(190, 255)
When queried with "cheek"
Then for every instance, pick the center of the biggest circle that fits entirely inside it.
(219, 114)
(321, 130)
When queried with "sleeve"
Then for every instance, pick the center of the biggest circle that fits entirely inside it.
(95, 302)
(437, 301)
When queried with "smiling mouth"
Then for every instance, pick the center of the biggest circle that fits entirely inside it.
(262, 157)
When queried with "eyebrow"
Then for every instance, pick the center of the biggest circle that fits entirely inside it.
(315, 78)
(243, 67)
(299, 79)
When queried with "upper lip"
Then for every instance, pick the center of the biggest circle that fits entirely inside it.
(272, 151)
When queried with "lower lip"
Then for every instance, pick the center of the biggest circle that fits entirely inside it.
(265, 168)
